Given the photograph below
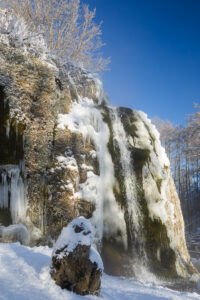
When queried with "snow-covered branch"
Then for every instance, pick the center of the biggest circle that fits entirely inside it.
(68, 29)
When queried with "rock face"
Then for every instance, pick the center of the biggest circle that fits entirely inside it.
(69, 154)
(76, 265)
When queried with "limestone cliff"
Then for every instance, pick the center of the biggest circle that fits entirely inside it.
(64, 153)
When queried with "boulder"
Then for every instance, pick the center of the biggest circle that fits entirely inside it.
(76, 265)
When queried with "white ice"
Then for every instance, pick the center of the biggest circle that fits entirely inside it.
(85, 119)
(12, 184)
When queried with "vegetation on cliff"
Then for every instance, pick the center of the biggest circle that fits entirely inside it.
(67, 26)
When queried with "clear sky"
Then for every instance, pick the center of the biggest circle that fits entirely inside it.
(155, 51)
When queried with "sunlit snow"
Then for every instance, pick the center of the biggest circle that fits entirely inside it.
(25, 276)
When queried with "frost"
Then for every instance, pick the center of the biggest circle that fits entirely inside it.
(67, 162)
(85, 167)
(14, 32)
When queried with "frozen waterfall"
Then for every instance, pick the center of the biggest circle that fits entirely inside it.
(12, 192)
(108, 218)
(120, 138)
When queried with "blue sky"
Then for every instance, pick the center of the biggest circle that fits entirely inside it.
(155, 51)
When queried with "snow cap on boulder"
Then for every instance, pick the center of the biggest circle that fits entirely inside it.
(76, 265)
(78, 232)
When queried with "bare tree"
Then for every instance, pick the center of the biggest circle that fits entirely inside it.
(182, 145)
(167, 132)
(68, 29)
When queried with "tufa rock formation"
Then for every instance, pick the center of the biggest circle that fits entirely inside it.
(64, 153)
(76, 265)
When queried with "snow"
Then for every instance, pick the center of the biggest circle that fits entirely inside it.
(164, 161)
(84, 166)
(160, 205)
(24, 275)
(85, 119)
(18, 33)
(71, 238)
(157, 168)
(68, 162)
(13, 233)
(95, 257)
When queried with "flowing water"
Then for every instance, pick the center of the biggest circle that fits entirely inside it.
(135, 218)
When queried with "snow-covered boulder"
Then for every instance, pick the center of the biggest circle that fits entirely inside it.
(14, 233)
(76, 265)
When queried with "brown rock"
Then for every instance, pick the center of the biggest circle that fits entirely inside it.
(77, 266)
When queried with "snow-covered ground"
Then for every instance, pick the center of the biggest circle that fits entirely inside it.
(24, 275)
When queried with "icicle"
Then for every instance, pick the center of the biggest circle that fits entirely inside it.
(5, 103)
(22, 166)
(4, 188)
(12, 192)
(16, 131)
(8, 128)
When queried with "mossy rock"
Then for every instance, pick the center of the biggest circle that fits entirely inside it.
(140, 158)
(159, 184)
(161, 257)
(128, 120)
(152, 138)
(5, 217)
(11, 146)
(115, 154)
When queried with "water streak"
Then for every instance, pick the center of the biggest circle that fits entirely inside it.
(120, 138)
(135, 217)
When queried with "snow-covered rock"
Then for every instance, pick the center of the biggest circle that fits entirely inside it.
(76, 265)
(14, 233)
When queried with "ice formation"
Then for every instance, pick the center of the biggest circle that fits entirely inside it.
(15, 233)
(86, 119)
(110, 219)
(12, 192)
